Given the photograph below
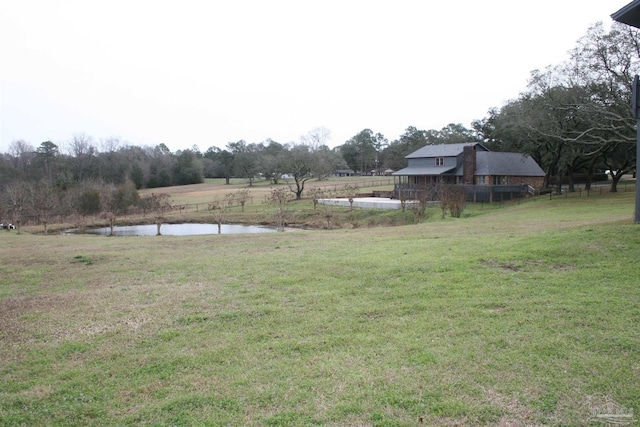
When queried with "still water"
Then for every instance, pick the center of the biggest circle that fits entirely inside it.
(180, 229)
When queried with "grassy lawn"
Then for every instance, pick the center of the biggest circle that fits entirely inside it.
(523, 314)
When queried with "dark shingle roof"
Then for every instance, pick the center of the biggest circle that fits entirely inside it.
(629, 14)
(511, 164)
(443, 150)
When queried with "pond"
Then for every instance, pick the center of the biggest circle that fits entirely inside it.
(180, 229)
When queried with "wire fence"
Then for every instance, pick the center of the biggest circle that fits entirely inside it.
(582, 190)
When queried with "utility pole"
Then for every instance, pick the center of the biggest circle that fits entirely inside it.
(635, 107)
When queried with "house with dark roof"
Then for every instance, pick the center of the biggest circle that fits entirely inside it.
(485, 174)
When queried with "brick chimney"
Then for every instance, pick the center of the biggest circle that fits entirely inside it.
(468, 164)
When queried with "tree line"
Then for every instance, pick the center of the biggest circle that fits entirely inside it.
(573, 119)
(115, 162)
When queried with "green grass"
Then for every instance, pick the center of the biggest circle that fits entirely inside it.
(523, 314)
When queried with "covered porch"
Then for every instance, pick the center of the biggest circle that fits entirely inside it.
(428, 189)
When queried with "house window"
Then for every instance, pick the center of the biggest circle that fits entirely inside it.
(500, 180)
(481, 179)
(439, 161)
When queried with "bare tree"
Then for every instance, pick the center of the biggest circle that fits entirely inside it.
(220, 207)
(327, 209)
(111, 220)
(419, 209)
(219, 210)
(22, 155)
(112, 144)
(281, 198)
(241, 196)
(18, 196)
(107, 206)
(452, 198)
(82, 151)
(316, 138)
(45, 201)
(350, 191)
(325, 161)
(317, 194)
(158, 204)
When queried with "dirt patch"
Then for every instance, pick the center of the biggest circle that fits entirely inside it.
(13, 311)
(497, 264)
(525, 265)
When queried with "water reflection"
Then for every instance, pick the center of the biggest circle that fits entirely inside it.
(180, 229)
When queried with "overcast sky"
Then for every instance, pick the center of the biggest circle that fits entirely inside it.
(212, 72)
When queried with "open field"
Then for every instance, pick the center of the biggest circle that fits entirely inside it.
(261, 189)
(523, 314)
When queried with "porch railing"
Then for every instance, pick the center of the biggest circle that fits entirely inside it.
(475, 193)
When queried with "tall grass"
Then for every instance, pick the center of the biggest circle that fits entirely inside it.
(524, 314)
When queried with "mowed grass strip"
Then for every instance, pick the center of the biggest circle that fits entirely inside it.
(523, 315)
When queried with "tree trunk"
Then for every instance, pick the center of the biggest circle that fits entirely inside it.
(559, 181)
(572, 187)
(615, 178)
(592, 165)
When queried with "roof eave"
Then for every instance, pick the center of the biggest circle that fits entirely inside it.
(629, 14)
(409, 171)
